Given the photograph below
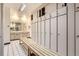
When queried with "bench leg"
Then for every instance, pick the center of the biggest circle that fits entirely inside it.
(28, 52)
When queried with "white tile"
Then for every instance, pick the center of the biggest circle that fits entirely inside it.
(14, 49)
(20, 49)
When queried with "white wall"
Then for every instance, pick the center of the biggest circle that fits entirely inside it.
(6, 24)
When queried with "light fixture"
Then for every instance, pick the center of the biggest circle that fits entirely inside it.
(23, 7)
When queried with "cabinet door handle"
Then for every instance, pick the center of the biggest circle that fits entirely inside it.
(78, 36)
(77, 7)
(58, 33)
(0, 36)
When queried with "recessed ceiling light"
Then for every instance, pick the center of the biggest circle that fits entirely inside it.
(23, 7)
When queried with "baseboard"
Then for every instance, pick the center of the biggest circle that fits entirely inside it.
(14, 39)
(7, 43)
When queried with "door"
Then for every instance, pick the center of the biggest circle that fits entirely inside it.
(62, 35)
(47, 36)
(70, 29)
(34, 32)
(77, 33)
(53, 34)
(42, 35)
(1, 40)
(38, 32)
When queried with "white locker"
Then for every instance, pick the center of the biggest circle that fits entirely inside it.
(77, 7)
(1, 39)
(42, 35)
(47, 36)
(1, 48)
(70, 29)
(53, 33)
(62, 35)
(77, 33)
(38, 32)
(77, 29)
(42, 30)
(34, 33)
(31, 30)
(0, 24)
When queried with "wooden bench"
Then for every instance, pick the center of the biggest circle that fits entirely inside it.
(35, 49)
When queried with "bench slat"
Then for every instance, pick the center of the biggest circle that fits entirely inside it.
(41, 51)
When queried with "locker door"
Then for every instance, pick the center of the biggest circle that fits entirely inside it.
(47, 37)
(62, 34)
(1, 43)
(36, 31)
(1, 48)
(77, 7)
(70, 29)
(42, 35)
(77, 33)
(39, 32)
(32, 30)
(53, 34)
(0, 24)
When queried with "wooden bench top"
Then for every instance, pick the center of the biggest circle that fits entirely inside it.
(41, 51)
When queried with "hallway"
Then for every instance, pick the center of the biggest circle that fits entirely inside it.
(14, 49)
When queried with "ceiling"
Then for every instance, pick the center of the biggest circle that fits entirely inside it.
(30, 7)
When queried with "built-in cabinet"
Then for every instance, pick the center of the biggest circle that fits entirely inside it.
(59, 30)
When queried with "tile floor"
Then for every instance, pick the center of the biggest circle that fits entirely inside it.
(14, 49)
